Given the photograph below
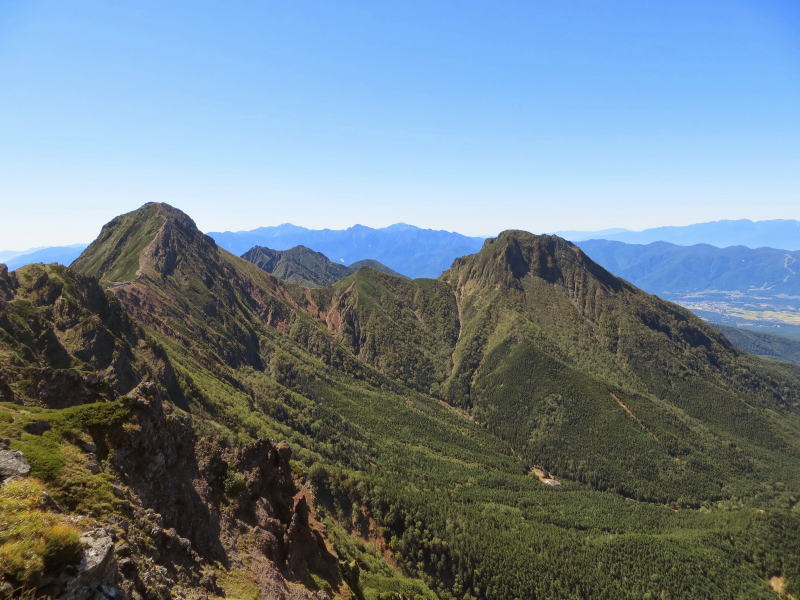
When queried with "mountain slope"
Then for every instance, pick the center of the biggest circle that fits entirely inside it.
(548, 326)
(305, 267)
(763, 344)
(545, 360)
(542, 345)
(661, 268)
(406, 249)
(299, 265)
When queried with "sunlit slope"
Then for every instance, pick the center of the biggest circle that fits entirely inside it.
(578, 370)
(424, 404)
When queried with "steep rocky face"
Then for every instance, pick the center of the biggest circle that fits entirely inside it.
(223, 311)
(184, 287)
(67, 341)
(148, 241)
(594, 319)
(197, 501)
(175, 508)
(507, 259)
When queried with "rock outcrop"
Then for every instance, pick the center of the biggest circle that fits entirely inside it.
(197, 502)
(96, 577)
(12, 463)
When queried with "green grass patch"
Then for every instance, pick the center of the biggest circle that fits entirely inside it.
(33, 541)
(237, 584)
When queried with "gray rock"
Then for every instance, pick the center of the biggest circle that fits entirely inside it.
(97, 572)
(13, 464)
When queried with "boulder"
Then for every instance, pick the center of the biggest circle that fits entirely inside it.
(97, 572)
(13, 464)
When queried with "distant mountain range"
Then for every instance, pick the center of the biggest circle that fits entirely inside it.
(306, 267)
(779, 233)
(409, 250)
(661, 267)
(54, 254)
(658, 260)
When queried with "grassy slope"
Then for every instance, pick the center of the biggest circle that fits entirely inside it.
(114, 256)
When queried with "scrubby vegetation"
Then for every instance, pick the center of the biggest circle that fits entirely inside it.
(33, 540)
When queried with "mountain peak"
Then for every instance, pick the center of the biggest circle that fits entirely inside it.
(300, 265)
(307, 267)
(515, 255)
(152, 239)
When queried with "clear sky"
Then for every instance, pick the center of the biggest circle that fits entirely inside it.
(463, 115)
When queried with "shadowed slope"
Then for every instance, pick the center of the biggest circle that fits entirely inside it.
(299, 265)
(305, 267)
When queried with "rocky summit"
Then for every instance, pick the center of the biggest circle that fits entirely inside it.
(178, 422)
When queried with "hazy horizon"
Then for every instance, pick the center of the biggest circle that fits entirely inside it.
(7, 250)
(470, 117)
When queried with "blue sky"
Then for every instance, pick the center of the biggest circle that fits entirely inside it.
(469, 116)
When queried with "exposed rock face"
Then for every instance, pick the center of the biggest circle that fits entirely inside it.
(209, 503)
(513, 255)
(97, 573)
(6, 283)
(75, 341)
(12, 464)
(59, 388)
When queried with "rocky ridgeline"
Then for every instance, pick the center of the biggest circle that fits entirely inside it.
(185, 503)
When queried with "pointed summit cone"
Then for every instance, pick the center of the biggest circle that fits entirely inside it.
(516, 256)
(156, 239)
(176, 280)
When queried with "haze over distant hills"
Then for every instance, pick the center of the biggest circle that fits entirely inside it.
(754, 288)
(410, 250)
(419, 252)
(778, 233)
(54, 254)
(661, 267)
